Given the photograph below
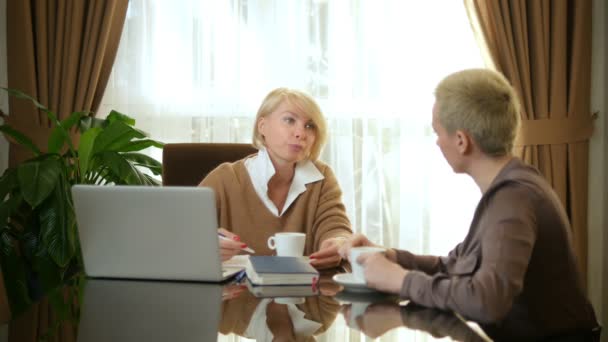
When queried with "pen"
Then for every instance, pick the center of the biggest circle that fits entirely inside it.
(246, 249)
(240, 276)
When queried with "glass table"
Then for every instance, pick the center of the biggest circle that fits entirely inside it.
(134, 310)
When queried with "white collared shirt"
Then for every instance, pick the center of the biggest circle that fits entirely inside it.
(258, 328)
(260, 171)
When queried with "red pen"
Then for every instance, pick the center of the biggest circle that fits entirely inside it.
(246, 249)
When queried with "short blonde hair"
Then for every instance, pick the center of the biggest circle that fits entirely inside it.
(482, 103)
(303, 102)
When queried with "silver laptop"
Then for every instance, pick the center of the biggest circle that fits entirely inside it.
(145, 232)
(135, 310)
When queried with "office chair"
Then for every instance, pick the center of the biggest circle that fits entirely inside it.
(186, 164)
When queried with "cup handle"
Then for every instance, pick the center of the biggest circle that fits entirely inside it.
(271, 243)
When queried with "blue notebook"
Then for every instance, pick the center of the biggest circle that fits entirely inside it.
(275, 270)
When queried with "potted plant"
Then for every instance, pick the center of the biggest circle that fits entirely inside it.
(39, 245)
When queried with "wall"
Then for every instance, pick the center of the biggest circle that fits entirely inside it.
(4, 108)
(598, 168)
(3, 82)
(604, 170)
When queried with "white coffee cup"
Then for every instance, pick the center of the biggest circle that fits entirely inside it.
(288, 244)
(358, 269)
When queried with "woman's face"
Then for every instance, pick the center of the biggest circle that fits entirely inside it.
(448, 143)
(288, 133)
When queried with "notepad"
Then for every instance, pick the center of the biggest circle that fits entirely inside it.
(276, 270)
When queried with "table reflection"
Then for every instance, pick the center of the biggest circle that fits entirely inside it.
(128, 310)
(134, 310)
(379, 318)
(290, 314)
(282, 318)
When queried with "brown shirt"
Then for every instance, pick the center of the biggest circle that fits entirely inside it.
(515, 271)
(438, 323)
(318, 211)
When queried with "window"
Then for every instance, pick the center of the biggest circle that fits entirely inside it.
(198, 70)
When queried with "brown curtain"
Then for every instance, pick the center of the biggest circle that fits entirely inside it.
(60, 52)
(544, 48)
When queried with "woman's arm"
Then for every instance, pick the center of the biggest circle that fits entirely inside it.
(331, 225)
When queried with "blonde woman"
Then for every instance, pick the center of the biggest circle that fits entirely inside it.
(284, 187)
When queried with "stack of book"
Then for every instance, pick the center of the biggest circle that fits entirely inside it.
(274, 291)
(275, 270)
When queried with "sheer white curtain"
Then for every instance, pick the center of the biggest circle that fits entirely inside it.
(198, 70)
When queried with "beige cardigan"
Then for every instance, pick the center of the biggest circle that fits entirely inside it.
(318, 212)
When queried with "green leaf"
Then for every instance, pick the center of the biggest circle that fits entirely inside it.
(85, 149)
(8, 208)
(20, 138)
(56, 227)
(7, 243)
(48, 272)
(115, 135)
(60, 133)
(21, 95)
(139, 145)
(88, 122)
(13, 270)
(145, 161)
(30, 244)
(122, 170)
(8, 182)
(152, 181)
(74, 119)
(38, 178)
(116, 116)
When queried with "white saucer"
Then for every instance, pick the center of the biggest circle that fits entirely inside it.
(351, 284)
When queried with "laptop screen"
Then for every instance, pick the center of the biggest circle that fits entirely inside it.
(144, 232)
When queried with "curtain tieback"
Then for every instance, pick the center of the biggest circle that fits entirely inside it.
(554, 131)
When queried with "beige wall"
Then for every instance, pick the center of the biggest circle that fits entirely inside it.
(598, 168)
(4, 108)
(3, 82)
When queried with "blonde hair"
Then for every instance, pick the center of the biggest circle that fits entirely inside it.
(303, 102)
(482, 103)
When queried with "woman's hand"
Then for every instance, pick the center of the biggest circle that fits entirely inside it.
(381, 273)
(327, 256)
(328, 287)
(357, 240)
(232, 291)
(230, 246)
(377, 319)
